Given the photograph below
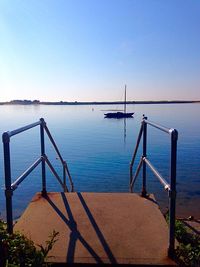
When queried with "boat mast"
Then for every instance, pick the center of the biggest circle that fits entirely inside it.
(125, 100)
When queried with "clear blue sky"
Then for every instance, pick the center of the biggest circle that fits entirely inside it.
(87, 50)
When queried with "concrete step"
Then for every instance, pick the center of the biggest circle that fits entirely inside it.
(99, 228)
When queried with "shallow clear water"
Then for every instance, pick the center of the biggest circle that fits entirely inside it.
(98, 150)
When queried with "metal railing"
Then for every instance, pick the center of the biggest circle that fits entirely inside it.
(170, 187)
(10, 186)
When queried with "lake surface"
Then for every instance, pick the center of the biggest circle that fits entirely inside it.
(98, 150)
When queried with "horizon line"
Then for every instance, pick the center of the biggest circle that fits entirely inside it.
(38, 102)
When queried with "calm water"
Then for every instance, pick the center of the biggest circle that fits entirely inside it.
(98, 150)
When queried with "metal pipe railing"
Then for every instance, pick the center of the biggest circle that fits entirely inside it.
(172, 192)
(53, 143)
(157, 174)
(135, 152)
(160, 127)
(21, 178)
(10, 187)
(66, 170)
(42, 124)
(55, 173)
(25, 128)
(144, 191)
(137, 144)
(64, 164)
(171, 188)
(136, 174)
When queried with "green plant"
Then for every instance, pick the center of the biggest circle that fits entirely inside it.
(188, 250)
(189, 254)
(16, 250)
(49, 244)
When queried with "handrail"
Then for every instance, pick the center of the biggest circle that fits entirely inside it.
(137, 145)
(21, 178)
(171, 188)
(10, 186)
(53, 142)
(22, 129)
(54, 172)
(64, 164)
(160, 127)
(136, 174)
(132, 179)
(161, 179)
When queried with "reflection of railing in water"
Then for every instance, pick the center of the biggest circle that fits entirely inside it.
(170, 187)
(10, 187)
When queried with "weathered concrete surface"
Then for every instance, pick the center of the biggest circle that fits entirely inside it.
(120, 228)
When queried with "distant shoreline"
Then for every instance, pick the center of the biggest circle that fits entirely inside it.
(37, 102)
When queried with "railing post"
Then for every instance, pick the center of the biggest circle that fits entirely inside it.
(8, 189)
(172, 193)
(144, 192)
(44, 191)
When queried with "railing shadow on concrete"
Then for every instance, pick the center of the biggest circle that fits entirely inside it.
(75, 234)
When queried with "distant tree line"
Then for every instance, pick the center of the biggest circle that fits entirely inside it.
(24, 102)
(37, 102)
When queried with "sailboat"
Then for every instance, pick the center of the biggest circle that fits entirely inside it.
(119, 115)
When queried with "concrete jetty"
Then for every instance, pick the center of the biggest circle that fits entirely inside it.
(99, 228)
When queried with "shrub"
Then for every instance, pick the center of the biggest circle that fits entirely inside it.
(17, 250)
(188, 250)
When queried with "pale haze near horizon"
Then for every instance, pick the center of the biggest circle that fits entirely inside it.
(88, 50)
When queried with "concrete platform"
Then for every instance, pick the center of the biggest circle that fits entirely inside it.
(97, 228)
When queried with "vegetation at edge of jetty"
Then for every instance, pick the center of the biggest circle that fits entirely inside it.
(16, 250)
(188, 250)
